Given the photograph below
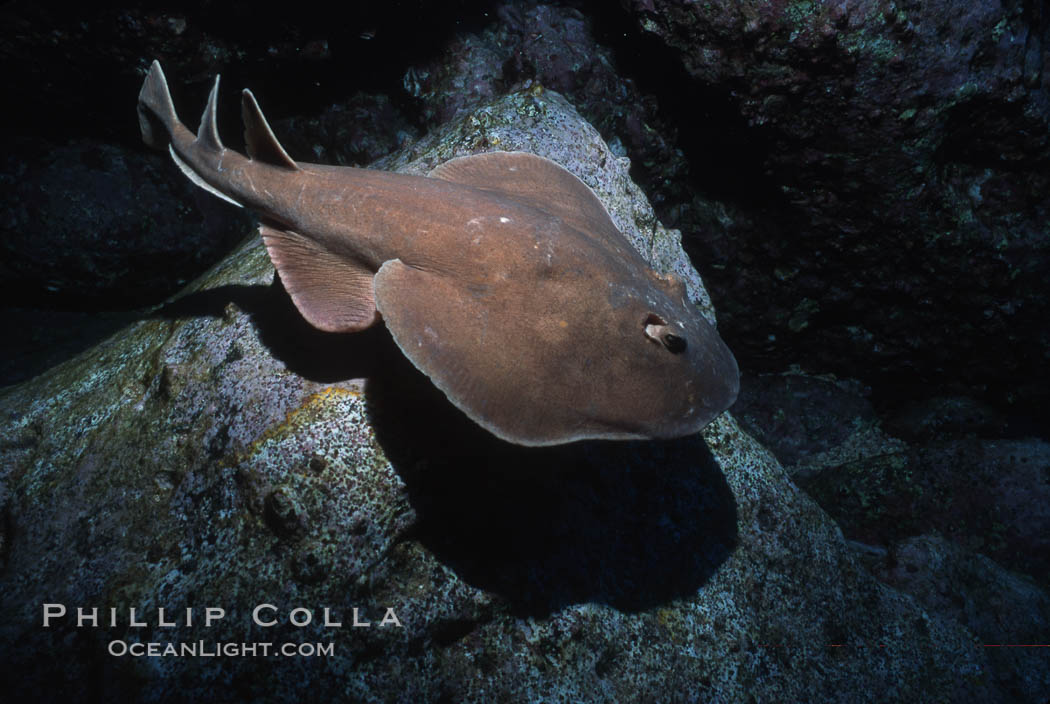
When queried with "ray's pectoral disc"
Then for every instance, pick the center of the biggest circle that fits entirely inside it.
(501, 276)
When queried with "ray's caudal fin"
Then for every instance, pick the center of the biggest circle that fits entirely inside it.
(157, 118)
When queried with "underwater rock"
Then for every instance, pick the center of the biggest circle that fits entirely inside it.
(798, 416)
(989, 496)
(568, 50)
(1000, 607)
(897, 149)
(90, 225)
(353, 132)
(946, 417)
(137, 476)
(87, 227)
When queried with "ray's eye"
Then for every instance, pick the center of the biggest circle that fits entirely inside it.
(657, 330)
(673, 343)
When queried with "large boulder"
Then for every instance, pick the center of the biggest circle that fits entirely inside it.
(893, 220)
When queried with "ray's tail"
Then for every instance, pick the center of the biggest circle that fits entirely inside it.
(159, 123)
(157, 118)
(201, 157)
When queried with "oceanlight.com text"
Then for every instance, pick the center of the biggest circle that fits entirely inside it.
(206, 649)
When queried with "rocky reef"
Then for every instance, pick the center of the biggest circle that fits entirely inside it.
(205, 457)
(900, 165)
(863, 187)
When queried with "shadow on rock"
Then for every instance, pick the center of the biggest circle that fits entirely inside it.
(323, 357)
(628, 524)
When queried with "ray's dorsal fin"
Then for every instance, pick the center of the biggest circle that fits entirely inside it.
(538, 182)
(208, 132)
(333, 293)
(259, 139)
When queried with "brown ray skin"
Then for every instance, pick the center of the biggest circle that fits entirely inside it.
(500, 276)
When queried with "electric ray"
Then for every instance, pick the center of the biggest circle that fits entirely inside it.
(500, 276)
